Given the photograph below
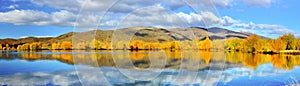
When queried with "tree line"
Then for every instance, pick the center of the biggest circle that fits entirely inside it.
(254, 43)
(251, 44)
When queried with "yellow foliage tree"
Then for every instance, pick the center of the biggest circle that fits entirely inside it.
(66, 45)
(45, 46)
(288, 39)
(107, 46)
(136, 44)
(296, 44)
(252, 43)
(206, 44)
(235, 44)
(55, 46)
(35, 45)
(7, 47)
(95, 44)
(278, 45)
(175, 45)
(0, 46)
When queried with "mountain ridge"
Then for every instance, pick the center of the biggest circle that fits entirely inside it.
(147, 34)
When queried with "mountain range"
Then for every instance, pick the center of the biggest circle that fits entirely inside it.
(147, 34)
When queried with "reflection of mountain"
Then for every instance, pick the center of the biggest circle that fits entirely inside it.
(197, 60)
(147, 34)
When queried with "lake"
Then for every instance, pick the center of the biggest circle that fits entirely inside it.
(150, 68)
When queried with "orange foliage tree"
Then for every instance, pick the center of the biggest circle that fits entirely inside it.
(278, 45)
(66, 45)
(107, 46)
(252, 43)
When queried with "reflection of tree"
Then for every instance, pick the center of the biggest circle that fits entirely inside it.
(174, 58)
(137, 56)
(233, 57)
(278, 61)
(206, 56)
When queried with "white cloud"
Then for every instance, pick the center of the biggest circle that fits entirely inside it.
(112, 76)
(127, 13)
(257, 3)
(24, 17)
(160, 17)
(13, 6)
(31, 17)
(264, 29)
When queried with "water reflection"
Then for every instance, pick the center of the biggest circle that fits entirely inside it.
(167, 67)
(174, 59)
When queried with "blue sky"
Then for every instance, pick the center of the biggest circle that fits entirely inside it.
(22, 18)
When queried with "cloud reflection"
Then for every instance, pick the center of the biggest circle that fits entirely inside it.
(112, 76)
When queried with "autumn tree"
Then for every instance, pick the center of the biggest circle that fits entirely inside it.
(95, 44)
(296, 44)
(55, 46)
(278, 45)
(19, 47)
(7, 46)
(252, 43)
(45, 46)
(206, 44)
(35, 45)
(175, 45)
(66, 45)
(234, 44)
(288, 39)
(0, 46)
(136, 44)
(107, 46)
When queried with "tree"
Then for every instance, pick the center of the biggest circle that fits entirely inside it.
(296, 44)
(136, 44)
(66, 45)
(0, 46)
(207, 44)
(96, 44)
(175, 45)
(252, 43)
(45, 46)
(7, 46)
(278, 45)
(234, 44)
(55, 46)
(35, 45)
(288, 39)
(107, 46)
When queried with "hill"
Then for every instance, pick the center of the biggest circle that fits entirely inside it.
(147, 34)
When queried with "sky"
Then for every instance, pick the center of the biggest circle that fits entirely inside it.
(47, 18)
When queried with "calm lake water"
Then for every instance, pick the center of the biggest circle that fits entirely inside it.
(152, 68)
